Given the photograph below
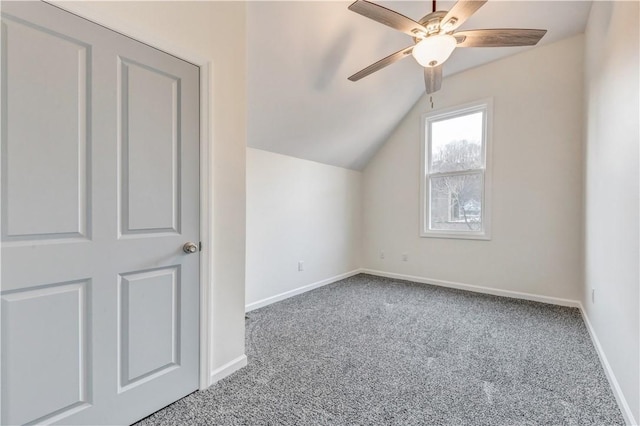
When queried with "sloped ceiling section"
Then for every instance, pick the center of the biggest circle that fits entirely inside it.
(300, 54)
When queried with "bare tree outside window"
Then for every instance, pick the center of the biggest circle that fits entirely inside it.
(457, 199)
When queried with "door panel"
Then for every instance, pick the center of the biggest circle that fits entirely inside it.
(52, 154)
(51, 320)
(150, 191)
(99, 190)
(149, 329)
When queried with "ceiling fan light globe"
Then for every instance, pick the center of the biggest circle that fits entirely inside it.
(434, 50)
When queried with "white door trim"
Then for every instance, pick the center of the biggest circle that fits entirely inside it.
(206, 163)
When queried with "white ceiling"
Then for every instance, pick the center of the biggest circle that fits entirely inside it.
(300, 54)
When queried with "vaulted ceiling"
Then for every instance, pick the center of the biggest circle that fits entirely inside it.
(300, 54)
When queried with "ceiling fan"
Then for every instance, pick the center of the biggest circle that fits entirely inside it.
(435, 37)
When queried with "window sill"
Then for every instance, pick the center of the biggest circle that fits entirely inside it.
(456, 235)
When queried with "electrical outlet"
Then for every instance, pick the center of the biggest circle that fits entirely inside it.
(301, 266)
(381, 254)
(405, 257)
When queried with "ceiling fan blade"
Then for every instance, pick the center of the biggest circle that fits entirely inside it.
(394, 57)
(388, 17)
(499, 37)
(433, 78)
(460, 12)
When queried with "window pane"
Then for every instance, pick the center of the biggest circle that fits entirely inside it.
(456, 203)
(456, 143)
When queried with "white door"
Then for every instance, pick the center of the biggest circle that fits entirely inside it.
(99, 193)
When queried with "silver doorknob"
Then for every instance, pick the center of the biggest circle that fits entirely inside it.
(190, 248)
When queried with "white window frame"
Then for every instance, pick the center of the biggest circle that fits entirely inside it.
(485, 106)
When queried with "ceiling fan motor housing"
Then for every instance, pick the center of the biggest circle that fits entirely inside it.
(432, 23)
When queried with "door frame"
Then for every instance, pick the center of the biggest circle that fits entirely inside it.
(206, 164)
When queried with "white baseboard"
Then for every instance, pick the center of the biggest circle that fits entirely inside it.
(477, 288)
(299, 290)
(227, 369)
(613, 382)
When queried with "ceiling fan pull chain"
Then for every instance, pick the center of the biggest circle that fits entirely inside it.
(431, 101)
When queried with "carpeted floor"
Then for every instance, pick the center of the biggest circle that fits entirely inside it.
(370, 350)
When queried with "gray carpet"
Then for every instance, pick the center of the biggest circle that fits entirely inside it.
(370, 350)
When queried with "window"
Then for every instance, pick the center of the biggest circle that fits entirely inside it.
(455, 172)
